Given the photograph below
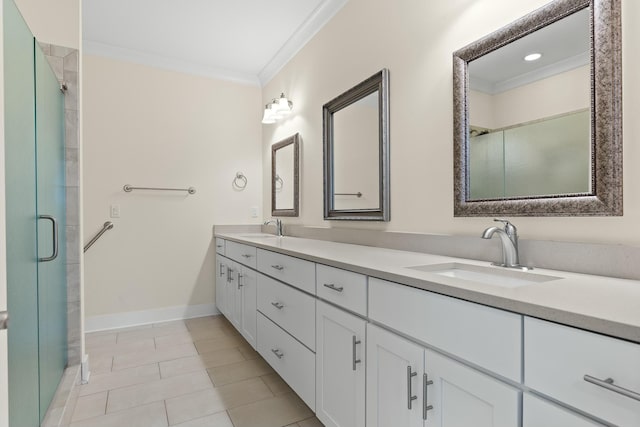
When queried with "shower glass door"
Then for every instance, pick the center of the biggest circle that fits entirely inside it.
(51, 204)
(20, 180)
(34, 181)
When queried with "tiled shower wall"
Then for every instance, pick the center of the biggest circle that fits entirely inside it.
(65, 64)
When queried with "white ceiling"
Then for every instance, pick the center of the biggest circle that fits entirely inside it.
(564, 45)
(241, 40)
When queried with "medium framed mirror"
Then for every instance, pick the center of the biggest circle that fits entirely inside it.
(356, 152)
(538, 115)
(285, 177)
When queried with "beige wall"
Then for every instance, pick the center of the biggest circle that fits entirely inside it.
(151, 127)
(415, 40)
(55, 22)
(563, 93)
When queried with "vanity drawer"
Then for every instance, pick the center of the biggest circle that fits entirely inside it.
(341, 287)
(244, 254)
(537, 412)
(487, 337)
(294, 271)
(295, 363)
(219, 245)
(557, 358)
(292, 310)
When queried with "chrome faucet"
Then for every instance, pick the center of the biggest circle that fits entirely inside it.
(278, 223)
(509, 238)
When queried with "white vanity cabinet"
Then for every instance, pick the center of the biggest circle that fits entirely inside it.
(340, 367)
(408, 385)
(593, 373)
(236, 296)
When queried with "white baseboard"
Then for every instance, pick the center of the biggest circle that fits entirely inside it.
(136, 318)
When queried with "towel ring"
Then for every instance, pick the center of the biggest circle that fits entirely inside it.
(277, 180)
(240, 181)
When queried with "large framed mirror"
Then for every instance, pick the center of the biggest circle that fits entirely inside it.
(285, 177)
(538, 115)
(356, 152)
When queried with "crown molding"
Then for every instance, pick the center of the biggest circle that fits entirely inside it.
(158, 61)
(309, 28)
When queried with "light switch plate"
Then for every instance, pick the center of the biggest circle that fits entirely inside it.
(253, 212)
(115, 211)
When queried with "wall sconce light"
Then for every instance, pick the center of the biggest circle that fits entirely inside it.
(277, 109)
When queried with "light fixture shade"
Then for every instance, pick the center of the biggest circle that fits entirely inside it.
(284, 105)
(275, 110)
(268, 117)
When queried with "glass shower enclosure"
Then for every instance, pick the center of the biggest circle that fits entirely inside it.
(35, 223)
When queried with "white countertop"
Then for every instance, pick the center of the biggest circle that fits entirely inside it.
(601, 304)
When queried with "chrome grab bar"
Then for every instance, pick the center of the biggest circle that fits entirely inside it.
(358, 194)
(107, 226)
(609, 385)
(129, 188)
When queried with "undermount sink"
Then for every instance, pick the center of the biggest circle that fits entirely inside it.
(257, 235)
(486, 275)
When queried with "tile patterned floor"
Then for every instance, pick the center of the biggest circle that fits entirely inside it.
(193, 373)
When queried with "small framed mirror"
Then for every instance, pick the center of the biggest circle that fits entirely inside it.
(285, 176)
(356, 152)
(538, 113)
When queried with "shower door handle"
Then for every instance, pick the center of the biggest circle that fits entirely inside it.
(4, 320)
(54, 229)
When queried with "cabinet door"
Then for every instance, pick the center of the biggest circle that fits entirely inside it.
(394, 380)
(248, 297)
(221, 282)
(540, 413)
(234, 296)
(463, 397)
(340, 367)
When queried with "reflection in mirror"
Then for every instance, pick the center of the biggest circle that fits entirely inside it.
(356, 164)
(284, 177)
(530, 138)
(356, 139)
(529, 115)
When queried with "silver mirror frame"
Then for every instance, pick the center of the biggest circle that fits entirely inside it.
(378, 82)
(295, 140)
(605, 198)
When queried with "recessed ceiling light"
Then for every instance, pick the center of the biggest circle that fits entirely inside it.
(533, 57)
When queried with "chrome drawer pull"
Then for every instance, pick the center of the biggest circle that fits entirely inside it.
(278, 305)
(240, 281)
(410, 396)
(219, 246)
(222, 266)
(246, 255)
(334, 287)
(609, 385)
(278, 267)
(355, 343)
(425, 393)
(277, 352)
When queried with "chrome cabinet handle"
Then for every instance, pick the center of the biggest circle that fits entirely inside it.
(4, 320)
(222, 266)
(278, 267)
(54, 224)
(240, 281)
(278, 305)
(334, 287)
(609, 385)
(355, 342)
(425, 393)
(410, 396)
(230, 275)
(219, 246)
(246, 255)
(277, 352)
